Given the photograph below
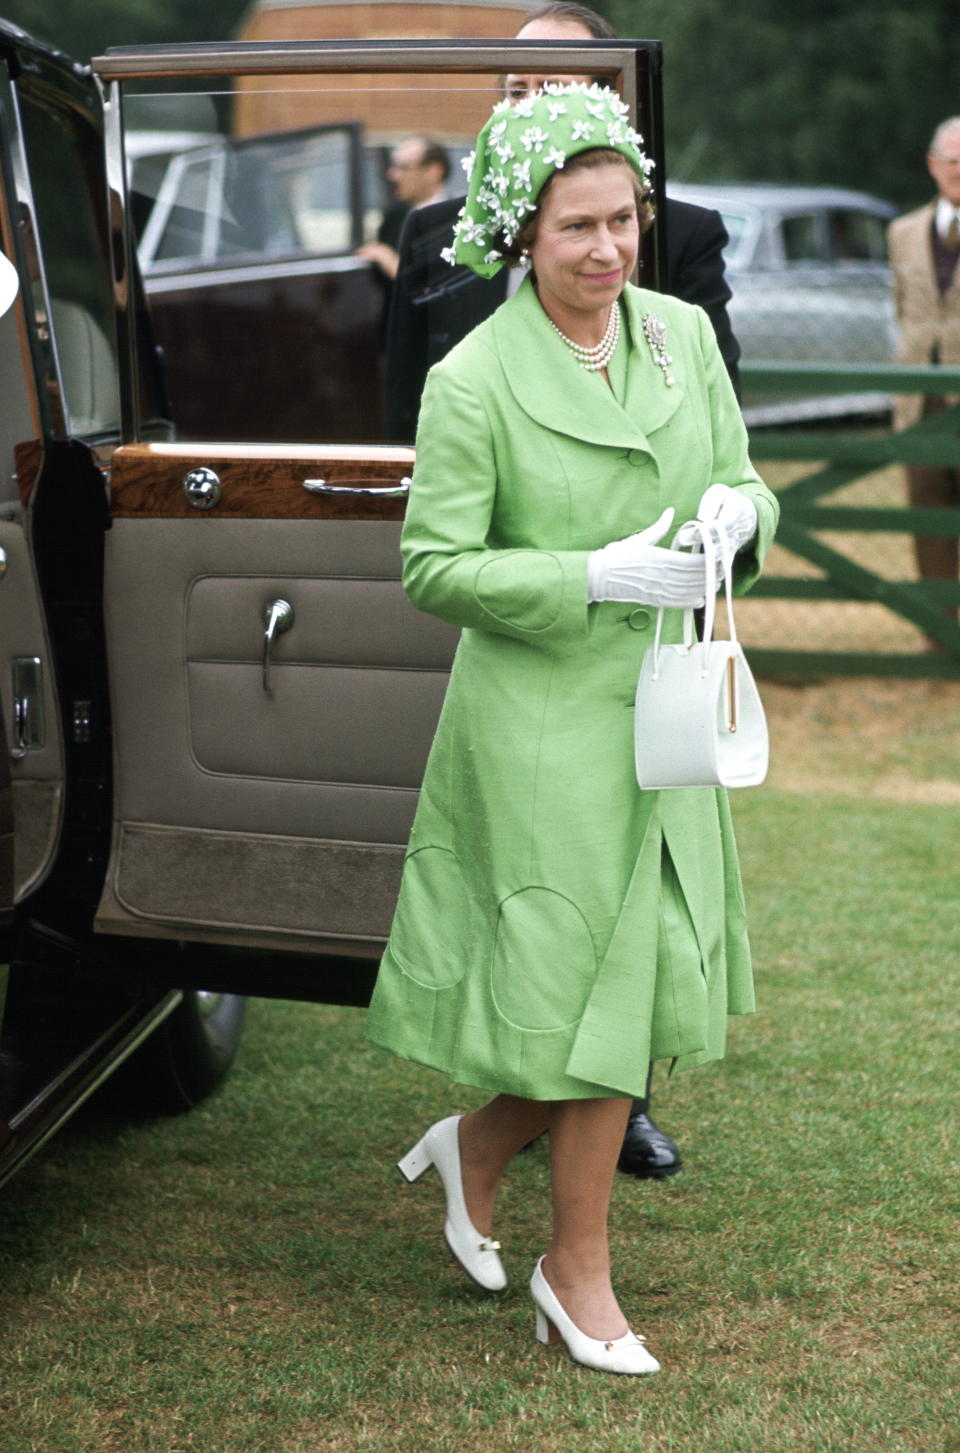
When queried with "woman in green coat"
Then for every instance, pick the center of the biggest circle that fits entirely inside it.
(557, 928)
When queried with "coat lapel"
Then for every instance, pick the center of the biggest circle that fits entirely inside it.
(552, 389)
(918, 251)
(919, 239)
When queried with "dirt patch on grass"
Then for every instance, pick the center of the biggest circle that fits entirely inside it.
(895, 741)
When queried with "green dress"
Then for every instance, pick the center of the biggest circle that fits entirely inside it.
(557, 928)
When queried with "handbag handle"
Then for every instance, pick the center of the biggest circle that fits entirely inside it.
(706, 529)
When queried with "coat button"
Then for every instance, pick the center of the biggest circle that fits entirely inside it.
(639, 619)
(639, 457)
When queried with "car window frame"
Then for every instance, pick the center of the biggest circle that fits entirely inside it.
(30, 259)
(633, 67)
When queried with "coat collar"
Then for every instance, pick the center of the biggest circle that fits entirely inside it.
(916, 229)
(550, 387)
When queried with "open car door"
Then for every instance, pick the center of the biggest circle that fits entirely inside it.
(274, 695)
(58, 384)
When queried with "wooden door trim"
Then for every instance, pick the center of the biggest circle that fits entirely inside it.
(259, 481)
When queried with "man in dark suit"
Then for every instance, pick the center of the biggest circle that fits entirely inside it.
(418, 172)
(435, 305)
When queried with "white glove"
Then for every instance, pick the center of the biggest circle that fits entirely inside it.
(639, 569)
(729, 508)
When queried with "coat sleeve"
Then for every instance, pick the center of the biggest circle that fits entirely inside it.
(696, 238)
(896, 280)
(449, 567)
(731, 460)
(406, 338)
(432, 307)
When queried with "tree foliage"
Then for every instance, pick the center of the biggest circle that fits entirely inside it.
(88, 27)
(812, 91)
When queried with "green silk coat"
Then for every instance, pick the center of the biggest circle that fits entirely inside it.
(557, 928)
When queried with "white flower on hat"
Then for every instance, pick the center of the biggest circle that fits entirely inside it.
(582, 130)
(521, 171)
(470, 231)
(555, 157)
(533, 139)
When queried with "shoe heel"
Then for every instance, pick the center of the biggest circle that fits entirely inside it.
(543, 1327)
(415, 1162)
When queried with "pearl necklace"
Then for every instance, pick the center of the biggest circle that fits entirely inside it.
(593, 359)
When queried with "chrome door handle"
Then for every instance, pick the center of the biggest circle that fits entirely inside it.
(277, 618)
(29, 727)
(388, 491)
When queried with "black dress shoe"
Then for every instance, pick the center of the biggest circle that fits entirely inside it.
(648, 1151)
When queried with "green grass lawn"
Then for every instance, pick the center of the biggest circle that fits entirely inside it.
(256, 1276)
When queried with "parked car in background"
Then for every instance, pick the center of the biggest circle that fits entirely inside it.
(215, 700)
(808, 270)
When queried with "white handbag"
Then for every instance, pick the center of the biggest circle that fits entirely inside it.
(699, 721)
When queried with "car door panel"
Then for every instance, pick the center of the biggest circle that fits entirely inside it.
(240, 808)
(32, 778)
(274, 810)
(32, 729)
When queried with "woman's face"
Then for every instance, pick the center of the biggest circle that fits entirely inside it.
(586, 240)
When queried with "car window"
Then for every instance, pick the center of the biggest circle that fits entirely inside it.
(736, 253)
(264, 251)
(271, 197)
(69, 201)
(802, 237)
(856, 236)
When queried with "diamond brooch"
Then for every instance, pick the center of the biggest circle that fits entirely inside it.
(655, 331)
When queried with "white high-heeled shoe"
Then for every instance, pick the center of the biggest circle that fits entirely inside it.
(477, 1254)
(625, 1354)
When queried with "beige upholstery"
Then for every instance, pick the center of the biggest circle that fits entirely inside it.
(38, 777)
(242, 811)
(88, 370)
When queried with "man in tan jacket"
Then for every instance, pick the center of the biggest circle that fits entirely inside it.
(924, 248)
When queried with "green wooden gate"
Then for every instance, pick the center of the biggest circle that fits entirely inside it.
(839, 458)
